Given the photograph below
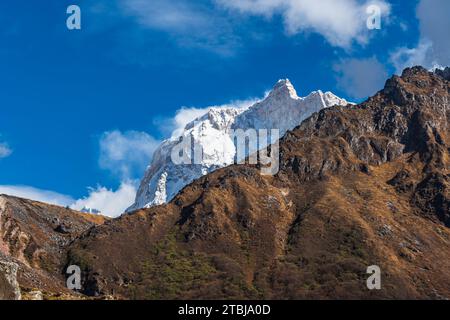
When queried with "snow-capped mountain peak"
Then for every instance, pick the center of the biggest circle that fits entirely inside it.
(281, 109)
(285, 88)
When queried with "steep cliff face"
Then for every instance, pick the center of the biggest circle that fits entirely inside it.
(9, 287)
(282, 109)
(358, 186)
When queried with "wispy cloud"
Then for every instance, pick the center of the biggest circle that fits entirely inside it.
(5, 150)
(191, 24)
(433, 47)
(360, 78)
(434, 19)
(126, 154)
(175, 15)
(407, 57)
(341, 22)
(223, 26)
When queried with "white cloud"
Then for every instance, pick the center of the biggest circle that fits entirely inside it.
(190, 23)
(360, 78)
(111, 203)
(405, 57)
(175, 15)
(340, 22)
(434, 18)
(433, 46)
(184, 116)
(37, 194)
(5, 150)
(126, 154)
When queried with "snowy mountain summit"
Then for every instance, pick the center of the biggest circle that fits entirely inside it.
(281, 109)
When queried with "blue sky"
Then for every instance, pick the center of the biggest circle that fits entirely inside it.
(86, 108)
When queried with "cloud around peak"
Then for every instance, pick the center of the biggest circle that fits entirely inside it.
(174, 126)
(126, 154)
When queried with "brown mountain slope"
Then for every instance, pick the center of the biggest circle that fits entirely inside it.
(358, 186)
(34, 235)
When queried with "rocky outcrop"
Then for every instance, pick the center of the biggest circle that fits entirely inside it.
(444, 73)
(410, 116)
(9, 287)
(35, 236)
(35, 295)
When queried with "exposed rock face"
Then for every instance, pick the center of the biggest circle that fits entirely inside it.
(358, 186)
(35, 295)
(282, 109)
(445, 73)
(35, 235)
(9, 287)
